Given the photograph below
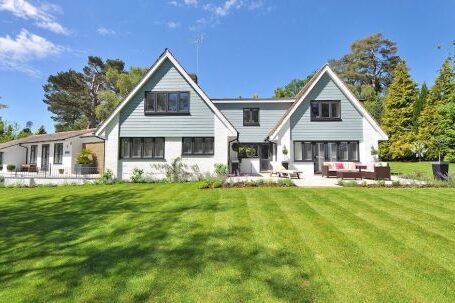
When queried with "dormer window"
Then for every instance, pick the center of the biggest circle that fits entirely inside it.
(325, 111)
(251, 117)
(167, 103)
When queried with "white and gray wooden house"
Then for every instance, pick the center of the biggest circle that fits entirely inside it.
(167, 115)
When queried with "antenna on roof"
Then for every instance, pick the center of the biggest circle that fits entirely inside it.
(198, 41)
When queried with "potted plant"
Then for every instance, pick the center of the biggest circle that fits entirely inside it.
(440, 168)
(11, 167)
(285, 162)
(61, 171)
(85, 162)
(374, 152)
(418, 148)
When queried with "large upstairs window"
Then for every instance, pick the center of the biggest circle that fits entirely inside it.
(325, 111)
(167, 103)
(251, 117)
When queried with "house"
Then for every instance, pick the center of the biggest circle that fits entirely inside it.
(50, 153)
(167, 115)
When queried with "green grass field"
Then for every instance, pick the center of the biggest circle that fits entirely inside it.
(176, 243)
(421, 168)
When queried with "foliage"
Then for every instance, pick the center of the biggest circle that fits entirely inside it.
(61, 171)
(177, 171)
(137, 175)
(292, 88)
(196, 172)
(418, 149)
(8, 130)
(398, 112)
(24, 133)
(220, 182)
(10, 167)
(285, 150)
(435, 122)
(420, 104)
(41, 130)
(371, 62)
(221, 170)
(85, 156)
(107, 177)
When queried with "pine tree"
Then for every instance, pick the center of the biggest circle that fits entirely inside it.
(397, 121)
(41, 130)
(420, 104)
(431, 129)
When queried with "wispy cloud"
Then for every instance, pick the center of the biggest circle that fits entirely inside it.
(43, 15)
(17, 53)
(224, 9)
(104, 31)
(179, 3)
(172, 24)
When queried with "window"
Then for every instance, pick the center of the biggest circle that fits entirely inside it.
(332, 151)
(1, 158)
(167, 103)
(58, 153)
(251, 116)
(142, 148)
(33, 149)
(325, 111)
(197, 146)
(248, 150)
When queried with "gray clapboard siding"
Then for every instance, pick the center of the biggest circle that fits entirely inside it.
(133, 122)
(350, 128)
(269, 114)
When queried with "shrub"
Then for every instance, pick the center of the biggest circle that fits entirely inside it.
(107, 177)
(221, 170)
(137, 175)
(177, 171)
(217, 184)
(85, 156)
(197, 172)
(61, 171)
(396, 183)
(286, 183)
(10, 167)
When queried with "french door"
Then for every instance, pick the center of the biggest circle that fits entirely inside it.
(265, 156)
(45, 157)
(319, 156)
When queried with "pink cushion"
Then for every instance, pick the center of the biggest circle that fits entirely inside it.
(339, 165)
(370, 167)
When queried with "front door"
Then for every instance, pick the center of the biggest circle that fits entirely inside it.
(45, 157)
(319, 156)
(265, 156)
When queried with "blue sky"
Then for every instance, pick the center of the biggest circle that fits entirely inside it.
(250, 46)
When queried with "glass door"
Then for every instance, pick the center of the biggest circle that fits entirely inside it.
(265, 156)
(45, 157)
(319, 156)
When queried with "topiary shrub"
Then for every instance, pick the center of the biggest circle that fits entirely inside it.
(85, 156)
(11, 167)
(137, 175)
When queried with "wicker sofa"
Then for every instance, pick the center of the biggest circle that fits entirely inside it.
(329, 169)
(376, 171)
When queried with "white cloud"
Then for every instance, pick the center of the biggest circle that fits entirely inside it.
(103, 31)
(172, 24)
(190, 2)
(223, 9)
(42, 15)
(179, 3)
(16, 53)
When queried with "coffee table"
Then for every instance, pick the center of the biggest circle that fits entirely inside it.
(349, 174)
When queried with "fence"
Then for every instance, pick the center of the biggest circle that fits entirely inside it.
(57, 171)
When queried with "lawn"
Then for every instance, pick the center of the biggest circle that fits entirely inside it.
(421, 168)
(174, 243)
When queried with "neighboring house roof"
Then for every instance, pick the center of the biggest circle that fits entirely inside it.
(252, 100)
(168, 55)
(300, 97)
(60, 136)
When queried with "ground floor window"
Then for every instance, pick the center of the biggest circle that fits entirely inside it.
(58, 153)
(308, 151)
(197, 145)
(1, 158)
(142, 148)
(248, 150)
(33, 150)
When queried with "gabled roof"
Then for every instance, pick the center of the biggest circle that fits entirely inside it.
(252, 100)
(167, 55)
(48, 137)
(325, 69)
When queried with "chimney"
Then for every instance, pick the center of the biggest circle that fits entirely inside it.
(193, 77)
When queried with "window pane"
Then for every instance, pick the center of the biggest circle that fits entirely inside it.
(353, 151)
(150, 102)
(187, 144)
(253, 151)
(184, 103)
(33, 154)
(325, 110)
(136, 151)
(148, 148)
(208, 146)
(246, 116)
(198, 146)
(307, 151)
(161, 102)
(172, 102)
(125, 148)
(335, 110)
(298, 151)
(315, 110)
(255, 116)
(343, 148)
(159, 147)
(58, 153)
(332, 151)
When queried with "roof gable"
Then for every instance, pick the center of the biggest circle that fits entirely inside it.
(308, 88)
(167, 55)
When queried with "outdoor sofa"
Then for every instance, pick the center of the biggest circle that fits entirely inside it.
(375, 171)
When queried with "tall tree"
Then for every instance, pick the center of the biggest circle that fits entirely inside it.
(41, 130)
(8, 130)
(292, 88)
(398, 113)
(73, 96)
(431, 128)
(420, 104)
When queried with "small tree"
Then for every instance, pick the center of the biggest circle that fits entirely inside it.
(419, 149)
(84, 157)
(177, 171)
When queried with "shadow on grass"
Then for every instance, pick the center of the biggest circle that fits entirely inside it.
(113, 237)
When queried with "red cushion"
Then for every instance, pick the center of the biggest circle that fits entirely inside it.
(339, 165)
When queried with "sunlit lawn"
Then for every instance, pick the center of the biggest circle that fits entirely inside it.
(421, 168)
(176, 243)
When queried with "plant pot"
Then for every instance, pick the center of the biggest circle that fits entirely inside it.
(85, 169)
(285, 164)
(440, 170)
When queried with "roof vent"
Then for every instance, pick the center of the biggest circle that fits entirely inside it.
(193, 77)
